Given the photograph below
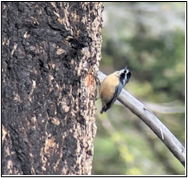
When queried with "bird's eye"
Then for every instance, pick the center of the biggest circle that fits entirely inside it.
(125, 71)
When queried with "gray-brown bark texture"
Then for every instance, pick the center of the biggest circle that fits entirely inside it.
(50, 58)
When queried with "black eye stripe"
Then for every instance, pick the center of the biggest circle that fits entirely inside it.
(122, 75)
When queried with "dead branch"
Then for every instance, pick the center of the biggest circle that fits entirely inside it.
(152, 121)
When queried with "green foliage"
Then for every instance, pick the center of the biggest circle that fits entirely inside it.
(149, 38)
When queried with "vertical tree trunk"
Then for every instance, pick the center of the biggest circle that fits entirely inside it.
(50, 58)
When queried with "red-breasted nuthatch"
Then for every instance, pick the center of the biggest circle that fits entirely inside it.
(111, 87)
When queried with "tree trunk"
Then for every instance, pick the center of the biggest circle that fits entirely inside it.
(50, 59)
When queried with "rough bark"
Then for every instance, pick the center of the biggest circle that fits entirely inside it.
(50, 59)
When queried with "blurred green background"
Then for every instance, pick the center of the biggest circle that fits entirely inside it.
(149, 37)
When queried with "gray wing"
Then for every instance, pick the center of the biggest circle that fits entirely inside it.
(116, 94)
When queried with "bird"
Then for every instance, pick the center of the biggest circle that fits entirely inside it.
(111, 87)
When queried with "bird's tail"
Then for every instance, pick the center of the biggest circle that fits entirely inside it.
(103, 109)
